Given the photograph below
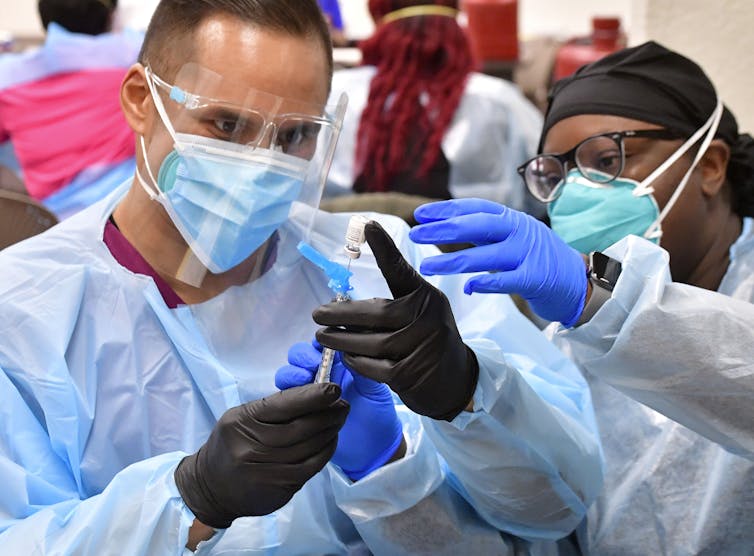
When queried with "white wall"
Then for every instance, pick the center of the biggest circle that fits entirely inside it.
(20, 17)
(567, 18)
(134, 13)
(356, 18)
(554, 17)
(717, 35)
(560, 18)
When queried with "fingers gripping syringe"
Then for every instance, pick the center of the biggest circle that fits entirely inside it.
(339, 278)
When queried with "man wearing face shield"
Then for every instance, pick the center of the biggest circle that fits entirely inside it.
(637, 150)
(142, 339)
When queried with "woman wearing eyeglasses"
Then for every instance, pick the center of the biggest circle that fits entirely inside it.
(650, 270)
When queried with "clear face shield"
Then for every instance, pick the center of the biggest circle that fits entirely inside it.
(239, 172)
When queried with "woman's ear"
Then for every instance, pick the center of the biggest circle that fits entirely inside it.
(714, 167)
(136, 100)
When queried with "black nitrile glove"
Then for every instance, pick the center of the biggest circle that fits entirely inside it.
(261, 453)
(411, 343)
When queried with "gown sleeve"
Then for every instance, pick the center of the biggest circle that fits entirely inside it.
(528, 458)
(684, 351)
(410, 506)
(42, 512)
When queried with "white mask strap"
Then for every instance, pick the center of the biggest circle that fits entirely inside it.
(710, 128)
(154, 190)
(645, 187)
(140, 179)
(160, 106)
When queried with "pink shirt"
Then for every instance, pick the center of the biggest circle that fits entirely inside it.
(60, 106)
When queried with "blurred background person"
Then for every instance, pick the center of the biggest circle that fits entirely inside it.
(421, 123)
(59, 105)
(331, 9)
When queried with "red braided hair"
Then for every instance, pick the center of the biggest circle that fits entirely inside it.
(422, 63)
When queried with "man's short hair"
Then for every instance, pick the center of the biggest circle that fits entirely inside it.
(91, 17)
(174, 21)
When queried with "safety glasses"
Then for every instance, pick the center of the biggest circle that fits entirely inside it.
(293, 132)
(599, 158)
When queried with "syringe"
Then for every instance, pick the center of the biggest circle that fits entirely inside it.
(328, 355)
(339, 279)
(355, 238)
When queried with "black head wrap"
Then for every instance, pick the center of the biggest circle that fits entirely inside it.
(655, 85)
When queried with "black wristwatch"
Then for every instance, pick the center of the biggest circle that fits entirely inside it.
(603, 273)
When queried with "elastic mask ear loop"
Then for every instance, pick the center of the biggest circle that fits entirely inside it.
(166, 122)
(160, 106)
(710, 128)
(140, 179)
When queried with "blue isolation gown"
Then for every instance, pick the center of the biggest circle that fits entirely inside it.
(104, 389)
(679, 467)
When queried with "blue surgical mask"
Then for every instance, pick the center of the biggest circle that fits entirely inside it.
(226, 202)
(226, 199)
(592, 216)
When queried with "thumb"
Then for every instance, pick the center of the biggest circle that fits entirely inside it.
(291, 376)
(368, 388)
(304, 355)
(400, 276)
(293, 403)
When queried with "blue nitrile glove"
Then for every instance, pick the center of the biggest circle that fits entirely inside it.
(524, 256)
(372, 433)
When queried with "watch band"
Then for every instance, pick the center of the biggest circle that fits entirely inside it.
(603, 273)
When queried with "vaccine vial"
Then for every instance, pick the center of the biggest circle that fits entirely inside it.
(355, 237)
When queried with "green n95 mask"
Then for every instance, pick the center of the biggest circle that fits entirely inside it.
(591, 216)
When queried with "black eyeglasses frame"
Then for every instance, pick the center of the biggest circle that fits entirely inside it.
(568, 158)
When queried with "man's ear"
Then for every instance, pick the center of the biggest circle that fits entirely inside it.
(714, 167)
(136, 101)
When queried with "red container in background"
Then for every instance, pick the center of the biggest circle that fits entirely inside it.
(606, 38)
(493, 29)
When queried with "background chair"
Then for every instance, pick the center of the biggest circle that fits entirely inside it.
(21, 217)
(10, 181)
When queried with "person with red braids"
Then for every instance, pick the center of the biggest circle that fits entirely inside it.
(420, 120)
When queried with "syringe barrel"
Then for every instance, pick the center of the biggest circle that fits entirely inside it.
(328, 355)
(323, 373)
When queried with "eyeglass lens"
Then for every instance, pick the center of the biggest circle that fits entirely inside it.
(296, 136)
(544, 176)
(599, 159)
